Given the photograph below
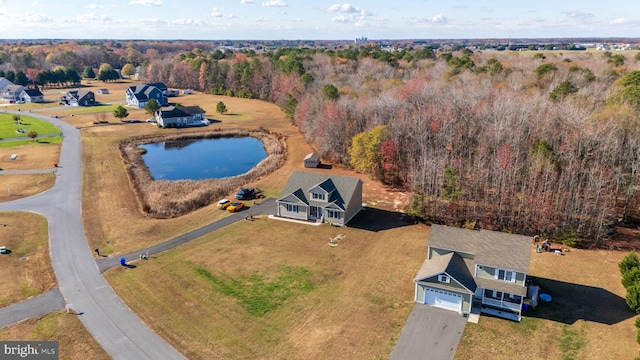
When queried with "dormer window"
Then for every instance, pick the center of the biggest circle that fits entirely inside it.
(506, 275)
(443, 278)
(317, 196)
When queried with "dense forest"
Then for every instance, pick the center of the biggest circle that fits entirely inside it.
(532, 142)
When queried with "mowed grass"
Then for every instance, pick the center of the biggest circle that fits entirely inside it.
(8, 127)
(26, 271)
(271, 289)
(74, 341)
(576, 325)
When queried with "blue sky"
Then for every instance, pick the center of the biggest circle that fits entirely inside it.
(306, 19)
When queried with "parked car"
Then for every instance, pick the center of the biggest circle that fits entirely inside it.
(245, 194)
(235, 206)
(223, 204)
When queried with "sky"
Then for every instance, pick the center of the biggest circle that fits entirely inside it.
(317, 20)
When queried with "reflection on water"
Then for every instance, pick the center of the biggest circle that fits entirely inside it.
(203, 158)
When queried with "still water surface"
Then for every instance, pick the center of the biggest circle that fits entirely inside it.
(203, 158)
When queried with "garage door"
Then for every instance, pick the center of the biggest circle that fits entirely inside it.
(443, 299)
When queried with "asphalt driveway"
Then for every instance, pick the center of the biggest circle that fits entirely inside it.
(430, 333)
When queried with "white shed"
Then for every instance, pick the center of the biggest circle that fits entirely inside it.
(312, 160)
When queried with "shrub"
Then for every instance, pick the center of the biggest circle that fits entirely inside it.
(563, 90)
(631, 277)
(633, 298)
(629, 263)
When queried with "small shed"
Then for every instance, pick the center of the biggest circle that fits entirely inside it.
(312, 160)
(103, 91)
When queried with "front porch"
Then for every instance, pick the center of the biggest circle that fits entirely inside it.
(497, 303)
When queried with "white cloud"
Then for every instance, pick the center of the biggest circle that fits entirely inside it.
(580, 16)
(217, 12)
(342, 19)
(187, 22)
(34, 18)
(346, 8)
(246, 1)
(88, 18)
(438, 19)
(95, 6)
(146, 2)
(274, 3)
(35, 4)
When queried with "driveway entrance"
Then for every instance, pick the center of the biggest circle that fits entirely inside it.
(430, 333)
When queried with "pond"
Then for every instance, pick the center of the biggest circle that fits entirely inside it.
(203, 158)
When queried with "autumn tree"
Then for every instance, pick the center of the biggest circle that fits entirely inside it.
(128, 70)
(365, 150)
(33, 135)
(120, 113)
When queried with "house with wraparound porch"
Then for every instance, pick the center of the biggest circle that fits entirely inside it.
(478, 270)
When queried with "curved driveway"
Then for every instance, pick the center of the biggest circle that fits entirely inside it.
(118, 330)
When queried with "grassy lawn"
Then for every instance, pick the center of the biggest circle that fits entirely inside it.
(284, 293)
(587, 318)
(74, 341)
(78, 110)
(27, 270)
(8, 127)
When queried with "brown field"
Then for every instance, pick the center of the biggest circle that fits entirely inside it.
(26, 236)
(363, 288)
(555, 330)
(74, 341)
(362, 296)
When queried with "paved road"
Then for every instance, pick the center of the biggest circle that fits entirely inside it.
(265, 207)
(430, 333)
(36, 306)
(118, 330)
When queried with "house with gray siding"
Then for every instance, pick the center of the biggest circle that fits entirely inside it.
(79, 98)
(32, 96)
(320, 197)
(11, 93)
(475, 269)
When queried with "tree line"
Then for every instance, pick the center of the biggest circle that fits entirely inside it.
(533, 143)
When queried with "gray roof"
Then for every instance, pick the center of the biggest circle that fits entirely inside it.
(453, 265)
(503, 286)
(454, 239)
(13, 88)
(32, 92)
(192, 110)
(313, 156)
(490, 248)
(142, 92)
(173, 112)
(301, 182)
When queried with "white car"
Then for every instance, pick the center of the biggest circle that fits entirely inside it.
(150, 120)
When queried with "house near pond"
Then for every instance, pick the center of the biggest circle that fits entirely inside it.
(79, 98)
(320, 197)
(181, 116)
(138, 95)
(32, 96)
(475, 270)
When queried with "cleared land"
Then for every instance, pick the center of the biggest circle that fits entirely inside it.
(587, 318)
(274, 289)
(74, 342)
(26, 271)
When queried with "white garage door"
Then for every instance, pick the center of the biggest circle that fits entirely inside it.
(443, 299)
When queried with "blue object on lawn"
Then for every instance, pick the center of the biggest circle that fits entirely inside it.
(123, 261)
(545, 297)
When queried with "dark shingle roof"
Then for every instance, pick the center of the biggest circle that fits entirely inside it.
(33, 92)
(192, 110)
(173, 112)
(301, 181)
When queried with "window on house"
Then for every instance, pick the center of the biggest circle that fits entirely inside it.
(506, 275)
(317, 196)
(334, 214)
(444, 278)
(292, 208)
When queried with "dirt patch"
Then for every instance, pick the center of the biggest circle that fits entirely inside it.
(30, 157)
